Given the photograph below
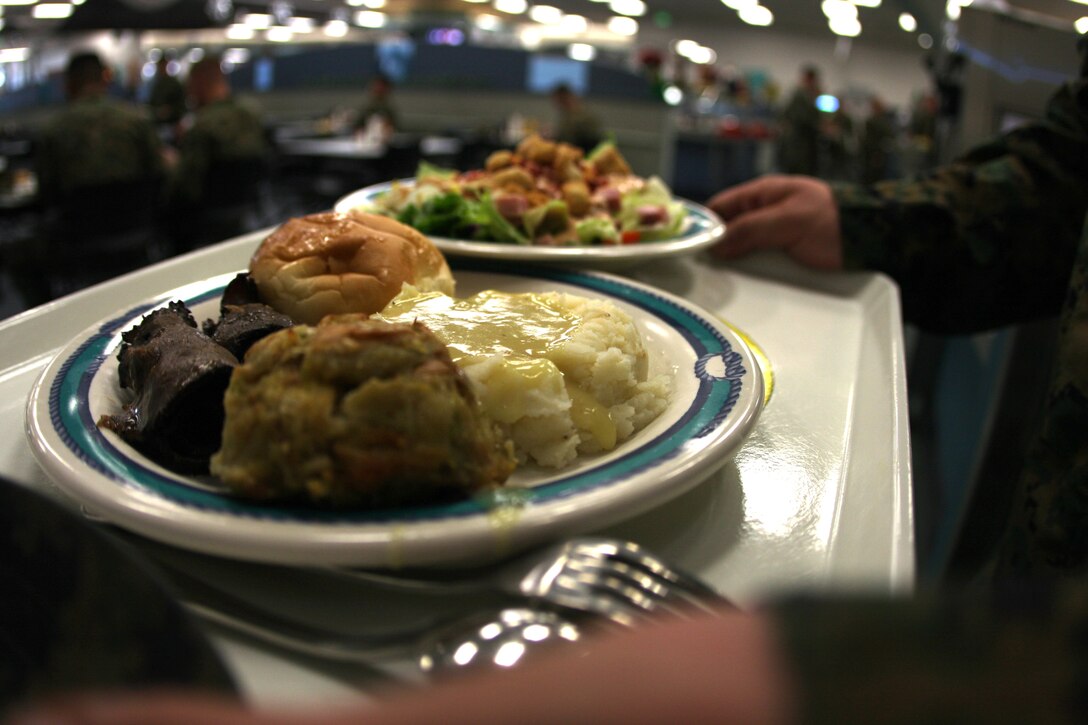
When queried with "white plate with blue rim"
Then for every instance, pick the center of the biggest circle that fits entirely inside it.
(702, 229)
(716, 398)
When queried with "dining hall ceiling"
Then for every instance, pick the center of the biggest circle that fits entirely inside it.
(879, 24)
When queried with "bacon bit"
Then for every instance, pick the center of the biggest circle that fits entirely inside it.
(630, 236)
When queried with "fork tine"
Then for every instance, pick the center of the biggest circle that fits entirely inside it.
(676, 582)
(639, 590)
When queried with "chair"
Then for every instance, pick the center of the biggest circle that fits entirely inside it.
(235, 200)
(95, 232)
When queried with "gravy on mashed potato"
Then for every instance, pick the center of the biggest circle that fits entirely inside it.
(563, 374)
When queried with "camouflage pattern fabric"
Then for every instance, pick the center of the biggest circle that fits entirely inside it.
(166, 99)
(799, 144)
(222, 131)
(997, 237)
(94, 141)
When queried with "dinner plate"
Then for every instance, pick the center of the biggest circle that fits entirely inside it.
(702, 229)
(716, 397)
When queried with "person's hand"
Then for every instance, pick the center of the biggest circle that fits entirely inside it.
(726, 668)
(796, 214)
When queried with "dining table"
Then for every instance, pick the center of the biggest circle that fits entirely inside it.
(816, 498)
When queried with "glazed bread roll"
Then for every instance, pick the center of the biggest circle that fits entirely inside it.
(334, 263)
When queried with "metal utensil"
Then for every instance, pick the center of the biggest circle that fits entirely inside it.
(444, 644)
(496, 639)
(612, 578)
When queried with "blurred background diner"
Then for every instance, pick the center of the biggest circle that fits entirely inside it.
(131, 132)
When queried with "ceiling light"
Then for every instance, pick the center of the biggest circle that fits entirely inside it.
(703, 56)
(756, 15)
(335, 29)
(545, 14)
(258, 21)
(907, 22)
(52, 10)
(634, 8)
(279, 34)
(839, 9)
(14, 55)
(530, 38)
(673, 95)
(573, 24)
(513, 7)
(685, 47)
(487, 21)
(952, 9)
(623, 25)
(845, 26)
(240, 32)
(866, 3)
(301, 24)
(370, 19)
(374, 4)
(475, 1)
(1081, 24)
(581, 51)
(739, 4)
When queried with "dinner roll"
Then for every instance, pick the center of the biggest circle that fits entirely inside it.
(334, 263)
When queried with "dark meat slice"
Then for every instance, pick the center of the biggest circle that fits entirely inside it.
(243, 318)
(242, 325)
(178, 376)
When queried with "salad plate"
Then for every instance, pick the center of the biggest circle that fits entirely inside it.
(702, 228)
(715, 400)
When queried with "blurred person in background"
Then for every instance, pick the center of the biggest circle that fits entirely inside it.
(877, 142)
(576, 124)
(223, 130)
(221, 165)
(378, 115)
(166, 97)
(94, 139)
(799, 142)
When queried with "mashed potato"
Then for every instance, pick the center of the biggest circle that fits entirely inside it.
(562, 374)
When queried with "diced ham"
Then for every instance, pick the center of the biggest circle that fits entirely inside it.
(512, 207)
(650, 215)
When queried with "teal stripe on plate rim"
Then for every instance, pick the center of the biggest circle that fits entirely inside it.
(716, 397)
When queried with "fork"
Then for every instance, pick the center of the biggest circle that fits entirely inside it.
(612, 578)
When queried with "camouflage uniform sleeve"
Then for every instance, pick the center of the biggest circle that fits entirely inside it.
(988, 240)
(1018, 655)
(194, 157)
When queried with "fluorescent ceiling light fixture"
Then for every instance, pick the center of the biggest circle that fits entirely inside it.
(374, 4)
(1081, 24)
(279, 34)
(530, 38)
(486, 21)
(573, 24)
(370, 19)
(703, 55)
(14, 55)
(545, 14)
(866, 3)
(907, 22)
(623, 25)
(634, 8)
(52, 10)
(299, 24)
(739, 4)
(756, 15)
(240, 32)
(839, 9)
(581, 51)
(847, 27)
(513, 7)
(258, 21)
(335, 29)
(685, 47)
(952, 9)
(355, 3)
